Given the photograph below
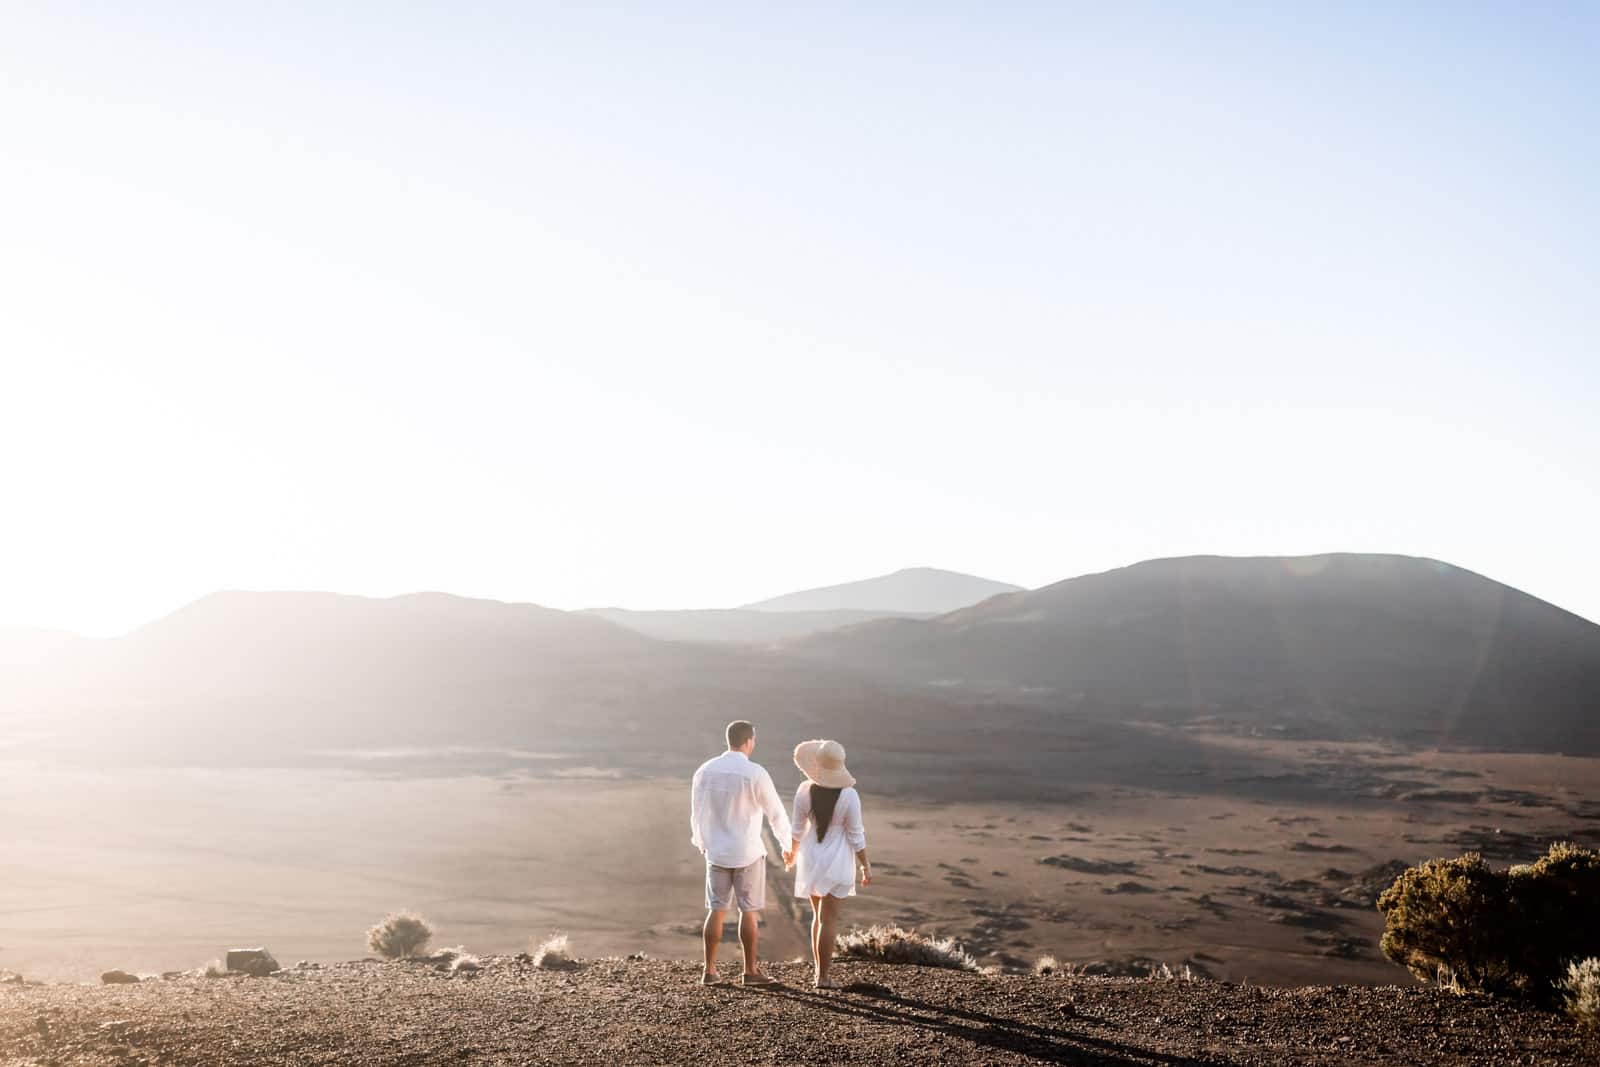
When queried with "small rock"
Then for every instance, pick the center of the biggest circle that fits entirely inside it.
(118, 978)
(10, 978)
(256, 962)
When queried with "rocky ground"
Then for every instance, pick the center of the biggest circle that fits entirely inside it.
(634, 1011)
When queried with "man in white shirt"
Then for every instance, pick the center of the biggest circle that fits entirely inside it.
(729, 796)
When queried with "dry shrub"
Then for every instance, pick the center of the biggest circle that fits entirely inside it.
(455, 959)
(214, 969)
(891, 944)
(1580, 991)
(1045, 965)
(1472, 928)
(554, 953)
(400, 936)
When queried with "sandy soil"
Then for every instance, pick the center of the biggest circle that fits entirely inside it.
(1246, 866)
(648, 1012)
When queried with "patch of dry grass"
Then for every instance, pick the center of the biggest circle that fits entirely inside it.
(1581, 991)
(554, 953)
(892, 944)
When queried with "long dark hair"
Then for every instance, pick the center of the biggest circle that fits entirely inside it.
(823, 800)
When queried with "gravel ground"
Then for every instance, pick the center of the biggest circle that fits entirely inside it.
(619, 1012)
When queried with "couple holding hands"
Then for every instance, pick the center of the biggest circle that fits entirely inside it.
(728, 799)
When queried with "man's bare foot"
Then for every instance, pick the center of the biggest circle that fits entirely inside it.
(755, 978)
(710, 978)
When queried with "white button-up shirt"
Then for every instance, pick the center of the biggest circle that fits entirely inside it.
(729, 796)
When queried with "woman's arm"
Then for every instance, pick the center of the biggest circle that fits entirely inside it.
(802, 816)
(855, 832)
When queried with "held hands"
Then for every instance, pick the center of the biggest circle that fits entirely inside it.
(788, 860)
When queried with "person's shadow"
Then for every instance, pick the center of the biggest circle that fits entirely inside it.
(867, 1000)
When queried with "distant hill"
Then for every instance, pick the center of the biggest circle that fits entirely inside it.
(1324, 646)
(1335, 644)
(913, 591)
(270, 676)
(736, 625)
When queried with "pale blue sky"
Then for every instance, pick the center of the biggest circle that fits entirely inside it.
(688, 305)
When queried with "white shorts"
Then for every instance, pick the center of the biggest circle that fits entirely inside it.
(747, 884)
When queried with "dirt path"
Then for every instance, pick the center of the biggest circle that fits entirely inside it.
(616, 1012)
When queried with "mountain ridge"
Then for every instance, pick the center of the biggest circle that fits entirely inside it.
(1342, 645)
(909, 591)
(1342, 637)
(736, 625)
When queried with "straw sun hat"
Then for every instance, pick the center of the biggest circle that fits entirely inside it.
(823, 763)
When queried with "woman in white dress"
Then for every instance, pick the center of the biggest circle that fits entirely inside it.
(829, 843)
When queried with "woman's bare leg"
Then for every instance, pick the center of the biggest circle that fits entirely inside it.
(816, 934)
(831, 907)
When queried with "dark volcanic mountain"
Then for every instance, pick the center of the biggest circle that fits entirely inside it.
(1332, 645)
(913, 591)
(1326, 646)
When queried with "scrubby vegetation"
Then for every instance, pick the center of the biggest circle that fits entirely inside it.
(453, 959)
(1472, 928)
(891, 944)
(400, 936)
(554, 953)
(1580, 991)
(1045, 965)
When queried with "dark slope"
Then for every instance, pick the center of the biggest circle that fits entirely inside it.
(1364, 644)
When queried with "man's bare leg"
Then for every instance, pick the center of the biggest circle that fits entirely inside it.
(711, 934)
(749, 934)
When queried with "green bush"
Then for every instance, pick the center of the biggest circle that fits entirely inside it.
(1472, 928)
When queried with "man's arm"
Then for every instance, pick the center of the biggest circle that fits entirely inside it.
(695, 804)
(773, 808)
